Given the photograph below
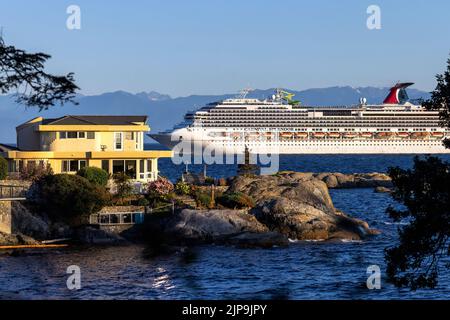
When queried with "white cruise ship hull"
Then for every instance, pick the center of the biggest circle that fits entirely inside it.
(282, 126)
(197, 144)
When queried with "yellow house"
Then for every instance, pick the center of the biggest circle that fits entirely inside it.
(113, 143)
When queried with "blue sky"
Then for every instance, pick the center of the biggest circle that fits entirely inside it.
(213, 47)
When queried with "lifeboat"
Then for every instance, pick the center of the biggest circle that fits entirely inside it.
(403, 134)
(319, 134)
(267, 136)
(334, 135)
(419, 135)
(301, 135)
(286, 134)
(384, 135)
(437, 134)
(235, 136)
(350, 135)
(366, 135)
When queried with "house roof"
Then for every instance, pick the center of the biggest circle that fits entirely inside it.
(6, 148)
(95, 120)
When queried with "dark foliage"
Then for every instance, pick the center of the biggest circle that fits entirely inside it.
(23, 73)
(3, 168)
(425, 193)
(124, 188)
(94, 175)
(203, 199)
(68, 198)
(440, 99)
(34, 171)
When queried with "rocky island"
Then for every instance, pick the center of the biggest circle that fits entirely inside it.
(290, 205)
(286, 205)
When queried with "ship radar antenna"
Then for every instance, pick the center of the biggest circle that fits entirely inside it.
(244, 92)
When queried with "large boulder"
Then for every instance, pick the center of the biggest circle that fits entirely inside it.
(299, 206)
(16, 239)
(355, 180)
(91, 235)
(211, 225)
(24, 222)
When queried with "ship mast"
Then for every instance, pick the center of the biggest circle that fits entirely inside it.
(244, 92)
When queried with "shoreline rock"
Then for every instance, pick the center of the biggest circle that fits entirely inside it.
(295, 205)
(337, 180)
(16, 239)
(235, 227)
(383, 190)
(299, 206)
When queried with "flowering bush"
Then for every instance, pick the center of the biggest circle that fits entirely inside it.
(160, 189)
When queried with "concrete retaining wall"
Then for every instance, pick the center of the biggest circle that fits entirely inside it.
(5, 217)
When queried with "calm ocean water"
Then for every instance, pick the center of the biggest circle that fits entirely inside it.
(304, 270)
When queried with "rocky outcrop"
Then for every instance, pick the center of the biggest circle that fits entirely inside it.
(336, 180)
(24, 222)
(90, 235)
(16, 239)
(210, 224)
(355, 180)
(299, 206)
(219, 226)
(383, 190)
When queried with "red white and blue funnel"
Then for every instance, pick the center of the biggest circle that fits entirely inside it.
(397, 94)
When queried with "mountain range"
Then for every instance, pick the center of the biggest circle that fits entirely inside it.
(165, 111)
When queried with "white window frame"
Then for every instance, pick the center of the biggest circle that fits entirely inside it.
(67, 162)
(121, 141)
(64, 135)
(138, 140)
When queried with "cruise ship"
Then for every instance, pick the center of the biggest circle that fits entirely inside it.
(281, 125)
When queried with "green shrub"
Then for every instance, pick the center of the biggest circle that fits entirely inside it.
(236, 200)
(209, 180)
(94, 175)
(143, 202)
(68, 198)
(182, 188)
(203, 199)
(3, 168)
(123, 184)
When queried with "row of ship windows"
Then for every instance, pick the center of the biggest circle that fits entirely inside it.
(313, 120)
(290, 125)
(286, 110)
(304, 114)
(300, 116)
(338, 144)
